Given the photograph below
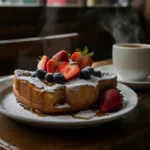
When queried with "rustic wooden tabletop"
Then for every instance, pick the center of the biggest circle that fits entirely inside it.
(130, 132)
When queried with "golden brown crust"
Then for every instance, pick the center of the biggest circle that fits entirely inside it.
(77, 98)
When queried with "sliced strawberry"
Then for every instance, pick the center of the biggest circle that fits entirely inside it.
(110, 100)
(83, 59)
(70, 71)
(42, 63)
(61, 56)
(53, 66)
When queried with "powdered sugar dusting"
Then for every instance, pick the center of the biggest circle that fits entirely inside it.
(11, 108)
(51, 88)
(71, 84)
(79, 82)
(108, 76)
(19, 72)
(62, 105)
(34, 81)
(87, 114)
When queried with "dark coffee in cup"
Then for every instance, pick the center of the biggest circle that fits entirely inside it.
(134, 46)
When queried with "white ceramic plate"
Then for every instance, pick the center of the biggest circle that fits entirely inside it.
(12, 109)
(132, 84)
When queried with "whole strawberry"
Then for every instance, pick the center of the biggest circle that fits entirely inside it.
(83, 59)
(61, 56)
(110, 100)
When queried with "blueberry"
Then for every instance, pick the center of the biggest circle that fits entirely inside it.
(49, 77)
(59, 78)
(33, 75)
(97, 73)
(91, 69)
(85, 74)
(40, 73)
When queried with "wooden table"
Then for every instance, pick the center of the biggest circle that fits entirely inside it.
(130, 132)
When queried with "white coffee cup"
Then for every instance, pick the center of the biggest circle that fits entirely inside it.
(132, 61)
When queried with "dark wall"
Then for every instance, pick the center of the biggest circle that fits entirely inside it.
(24, 22)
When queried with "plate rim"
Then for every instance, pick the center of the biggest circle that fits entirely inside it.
(99, 120)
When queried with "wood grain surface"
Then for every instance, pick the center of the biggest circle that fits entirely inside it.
(131, 132)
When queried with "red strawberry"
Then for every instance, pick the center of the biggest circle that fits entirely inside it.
(83, 59)
(61, 56)
(110, 100)
(42, 63)
(70, 71)
(53, 65)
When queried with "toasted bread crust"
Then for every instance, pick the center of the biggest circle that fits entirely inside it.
(77, 98)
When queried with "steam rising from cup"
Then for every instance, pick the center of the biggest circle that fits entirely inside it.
(124, 27)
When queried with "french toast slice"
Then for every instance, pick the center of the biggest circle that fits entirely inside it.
(75, 95)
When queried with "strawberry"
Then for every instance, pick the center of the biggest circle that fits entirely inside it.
(53, 65)
(70, 71)
(110, 100)
(62, 56)
(83, 59)
(42, 63)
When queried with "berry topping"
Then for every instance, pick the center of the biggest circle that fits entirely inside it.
(70, 71)
(97, 73)
(40, 73)
(83, 59)
(59, 78)
(90, 69)
(53, 66)
(110, 100)
(42, 63)
(33, 75)
(61, 56)
(49, 77)
(85, 74)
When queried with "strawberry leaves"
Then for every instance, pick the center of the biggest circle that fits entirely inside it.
(91, 54)
(85, 51)
(40, 57)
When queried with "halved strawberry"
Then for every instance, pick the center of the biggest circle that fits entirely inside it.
(62, 56)
(42, 63)
(83, 59)
(53, 65)
(70, 71)
(110, 100)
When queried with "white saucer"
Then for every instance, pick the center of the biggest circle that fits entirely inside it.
(132, 84)
(10, 107)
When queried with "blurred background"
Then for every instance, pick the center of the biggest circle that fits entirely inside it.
(31, 28)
